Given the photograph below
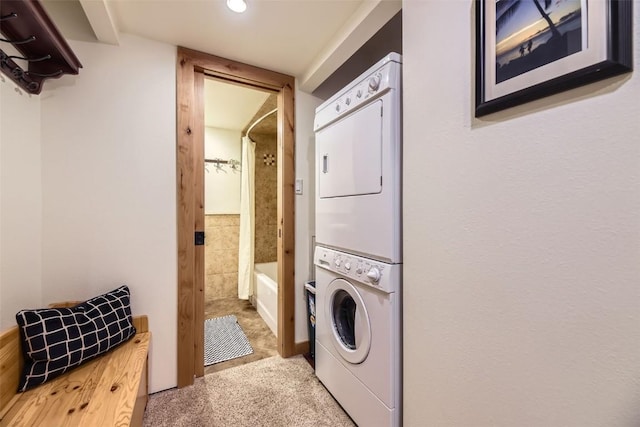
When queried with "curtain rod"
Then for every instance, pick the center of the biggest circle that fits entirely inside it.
(259, 120)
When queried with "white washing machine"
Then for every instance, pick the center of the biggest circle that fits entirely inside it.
(358, 335)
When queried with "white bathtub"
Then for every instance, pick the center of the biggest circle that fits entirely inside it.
(266, 281)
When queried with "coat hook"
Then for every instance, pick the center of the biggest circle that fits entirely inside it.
(42, 58)
(9, 16)
(57, 73)
(27, 40)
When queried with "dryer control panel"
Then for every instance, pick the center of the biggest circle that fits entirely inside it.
(380, 78)
(385, 277)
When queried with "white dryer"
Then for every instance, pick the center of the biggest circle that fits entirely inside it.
(358, 335)
(359, 167)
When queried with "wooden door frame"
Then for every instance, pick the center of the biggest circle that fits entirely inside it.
(191, 68)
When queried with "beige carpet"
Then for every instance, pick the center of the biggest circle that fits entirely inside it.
(271, 392)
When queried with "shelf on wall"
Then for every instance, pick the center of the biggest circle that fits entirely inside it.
(26, 25)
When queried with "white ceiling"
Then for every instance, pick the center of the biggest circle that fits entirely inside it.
(229, 106)
(307, 39)
(280, 35)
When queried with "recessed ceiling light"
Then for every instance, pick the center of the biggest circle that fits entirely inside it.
(238, 6)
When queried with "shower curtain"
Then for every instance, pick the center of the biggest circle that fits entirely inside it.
(247, 215)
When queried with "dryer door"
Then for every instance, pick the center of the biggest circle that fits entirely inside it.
(349, 154)
(349, 321)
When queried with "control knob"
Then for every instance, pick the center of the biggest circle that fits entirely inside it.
(374, 83)
(347, 266)
(374, 274)
(337, 263)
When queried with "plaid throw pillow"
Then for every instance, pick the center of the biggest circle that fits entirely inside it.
(54, 340)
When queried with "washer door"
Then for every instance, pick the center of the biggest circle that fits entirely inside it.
(349, 321)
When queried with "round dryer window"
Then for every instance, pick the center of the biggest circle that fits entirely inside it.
(351, 330)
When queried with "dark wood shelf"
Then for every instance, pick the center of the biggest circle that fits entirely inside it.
(26, 25)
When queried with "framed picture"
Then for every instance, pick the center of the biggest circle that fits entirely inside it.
(529, 49)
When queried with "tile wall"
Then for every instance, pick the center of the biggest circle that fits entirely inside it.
(266, 177)
(221, 256)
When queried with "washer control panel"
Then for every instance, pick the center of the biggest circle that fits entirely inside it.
(364, 270)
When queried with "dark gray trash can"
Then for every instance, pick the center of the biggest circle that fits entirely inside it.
(310, 290)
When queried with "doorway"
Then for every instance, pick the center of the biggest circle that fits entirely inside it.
(192, 66)
(240, 224)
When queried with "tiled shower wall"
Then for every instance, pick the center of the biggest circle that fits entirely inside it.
(266, 177)
(221, 256)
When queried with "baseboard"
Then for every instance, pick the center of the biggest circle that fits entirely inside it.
(301, 347)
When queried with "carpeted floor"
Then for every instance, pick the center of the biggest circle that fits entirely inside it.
(271, 392)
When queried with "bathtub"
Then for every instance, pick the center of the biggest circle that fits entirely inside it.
(266, 301)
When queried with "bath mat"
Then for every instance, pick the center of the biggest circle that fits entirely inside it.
(224, 340)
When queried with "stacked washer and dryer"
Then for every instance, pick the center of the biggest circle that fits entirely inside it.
(358, 255)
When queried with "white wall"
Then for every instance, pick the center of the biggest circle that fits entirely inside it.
(521, 243)
(20, 202)
(305, 108)
(95, 205)
(222, 187)
(109, 186)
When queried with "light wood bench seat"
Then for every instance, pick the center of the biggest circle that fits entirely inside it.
(110, 390)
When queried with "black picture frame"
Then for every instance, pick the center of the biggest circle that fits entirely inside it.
(618, 59)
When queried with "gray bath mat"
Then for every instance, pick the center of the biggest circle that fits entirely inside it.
(224, 340)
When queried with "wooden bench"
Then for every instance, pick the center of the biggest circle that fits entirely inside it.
(110, 390)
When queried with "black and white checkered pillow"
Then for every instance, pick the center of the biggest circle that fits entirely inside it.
(55, 340)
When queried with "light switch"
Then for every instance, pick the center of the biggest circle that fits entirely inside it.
(298, 186)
